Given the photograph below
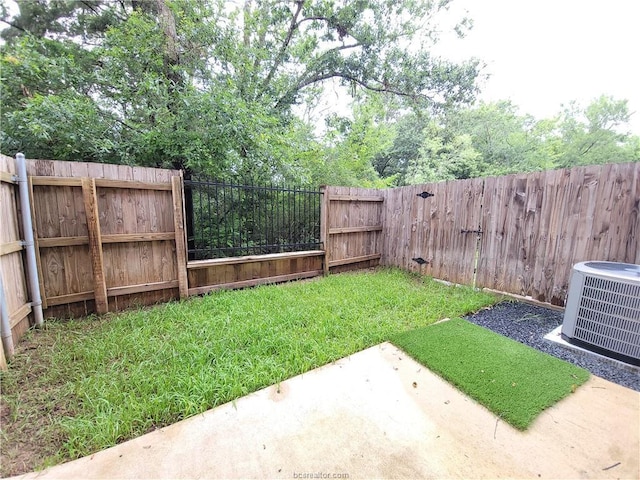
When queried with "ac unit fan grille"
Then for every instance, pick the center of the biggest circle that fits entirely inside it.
(609, 316)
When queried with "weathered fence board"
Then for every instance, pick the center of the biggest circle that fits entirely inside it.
(238, 272)
(432, 229)
(352, 230)
(535, 227)
(12, 267)
(106, 236)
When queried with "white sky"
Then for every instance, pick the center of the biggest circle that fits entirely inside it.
(544, 53)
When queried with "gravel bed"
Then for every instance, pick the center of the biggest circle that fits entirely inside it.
(528, 324)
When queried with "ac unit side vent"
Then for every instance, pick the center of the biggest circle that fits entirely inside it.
(604, 313)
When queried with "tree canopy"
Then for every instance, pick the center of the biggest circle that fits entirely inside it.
(216, 87)
(207, 86)
(495, 139)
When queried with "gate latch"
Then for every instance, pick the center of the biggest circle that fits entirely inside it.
(479, 232)
(420, 260)
(425, 195)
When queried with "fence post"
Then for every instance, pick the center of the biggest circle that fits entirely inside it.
(178, 222)
(27, 227)
(324, 226)
(95, 243)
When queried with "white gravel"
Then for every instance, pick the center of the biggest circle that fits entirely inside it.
(528, 324)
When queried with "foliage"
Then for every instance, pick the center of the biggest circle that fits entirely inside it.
(210, 86)
(393, 162)
(506, 141)
(494, 139)
(354, 144)
(215, 87)
(595, 134)
(442, 159)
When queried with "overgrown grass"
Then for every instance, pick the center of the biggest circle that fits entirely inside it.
(511, 379)
(92, 383)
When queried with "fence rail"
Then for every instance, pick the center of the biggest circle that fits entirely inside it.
(108, 237)
(519, 234)
(230, 220)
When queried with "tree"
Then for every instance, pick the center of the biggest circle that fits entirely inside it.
(354, 144)
(294, 45)
(494, 139)
(488, 139)
(392, 163)
(442, 157)
(507, 141)
(595, 134)
(135, 79)
(206, 86)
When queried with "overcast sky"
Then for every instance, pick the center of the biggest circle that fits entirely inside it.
(543, 53)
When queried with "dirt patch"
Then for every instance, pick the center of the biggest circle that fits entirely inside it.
(32, 401)
(19, 448)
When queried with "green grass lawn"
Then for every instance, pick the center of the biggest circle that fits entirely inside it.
(79, 386)
(514, 381)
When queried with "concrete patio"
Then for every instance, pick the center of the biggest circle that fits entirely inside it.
(379, 414)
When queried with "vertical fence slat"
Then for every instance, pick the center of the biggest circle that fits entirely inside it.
(3, 360)
(324, 226)
(37, 245)
(95, 244)
(178, 220)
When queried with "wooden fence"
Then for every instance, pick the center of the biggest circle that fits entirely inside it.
(553, 220)
(351, 227)
(12, 269)
(423, 226)
(350, 231)
(107, 236)
(519, 234)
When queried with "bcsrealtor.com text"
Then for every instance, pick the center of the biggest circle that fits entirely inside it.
(325, 475)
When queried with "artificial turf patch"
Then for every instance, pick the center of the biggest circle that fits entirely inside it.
(513, 380)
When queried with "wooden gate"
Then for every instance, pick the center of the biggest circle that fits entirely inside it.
(433, 229)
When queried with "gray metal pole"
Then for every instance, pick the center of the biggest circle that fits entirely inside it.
(27, 226)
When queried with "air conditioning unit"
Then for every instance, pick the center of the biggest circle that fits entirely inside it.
(602, 313)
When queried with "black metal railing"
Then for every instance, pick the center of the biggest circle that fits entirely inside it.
(230, 220)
